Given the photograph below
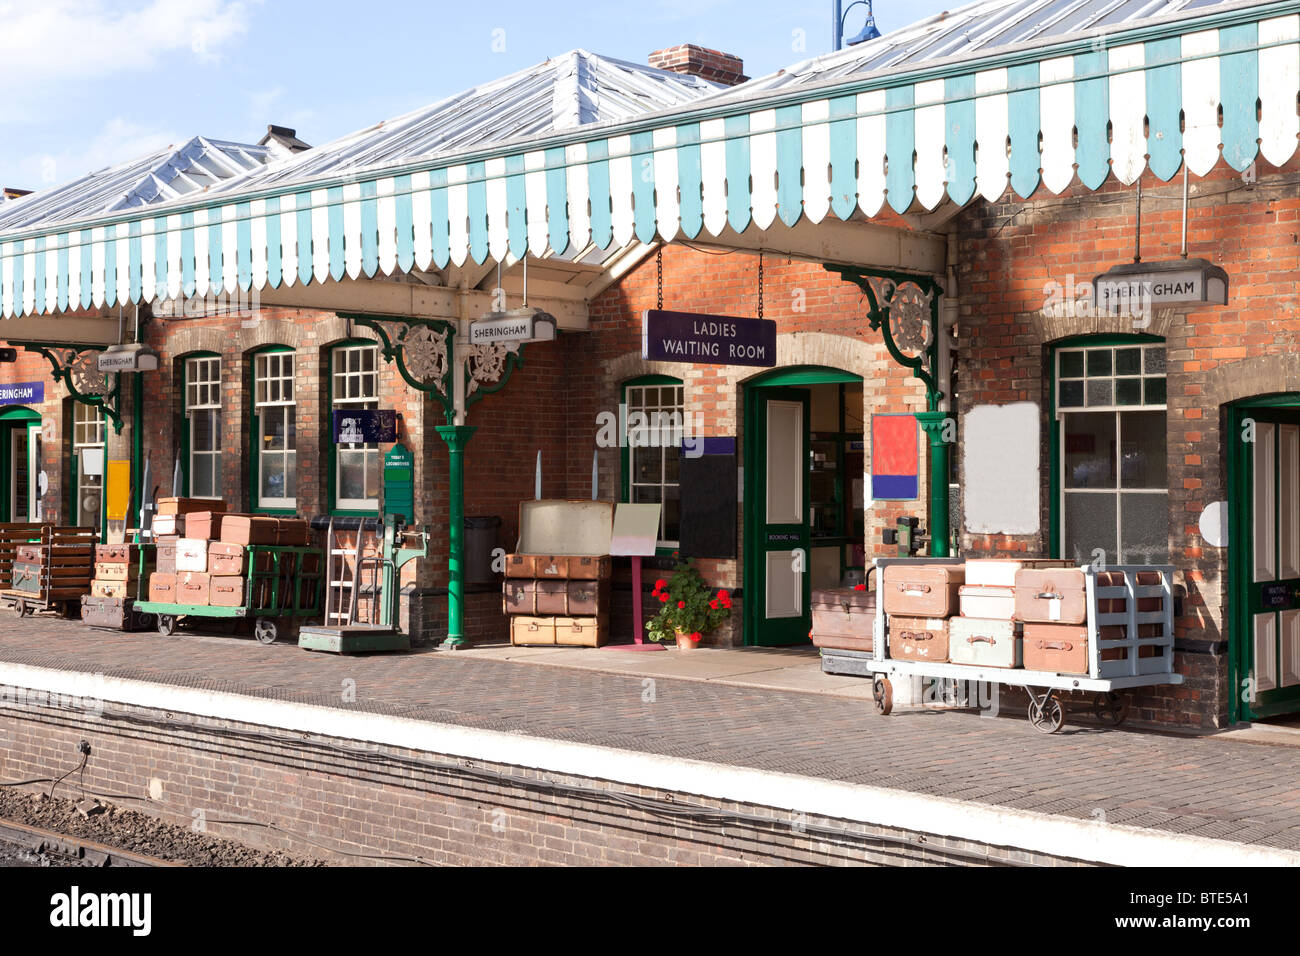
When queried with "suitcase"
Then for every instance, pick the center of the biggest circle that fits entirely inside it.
(1056, 648)
(191, 555)
(842, 618)
(532, 630)
(1051, 596)
(563, 539)
(918, 638)
(227, 559)
(590, 567)
(986, 642)
(27, 577)
(1001, 572)
(182, 506)
(520, 566)
(117, 553)
(162, 587)
(118, 614)
(519, 596)
(168, 526)
(225, 590)
(581, 631)
(192, 588)
(552, 597)
(112, 589)
(263, 529)
(116, 571)
(987, 601)
(1120, 605)
(204, 524)
(922, 590)
(165, 557)
(587, 597)
(30, 554)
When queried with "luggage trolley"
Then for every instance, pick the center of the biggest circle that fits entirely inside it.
(1144, 659)
(278, 583)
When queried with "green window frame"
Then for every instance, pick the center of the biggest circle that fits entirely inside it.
(649, 471)
(1108, 386)
(272, 432)
(353, 377)
(88, 434)
(201, 401)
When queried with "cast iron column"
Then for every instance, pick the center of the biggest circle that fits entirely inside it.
(934, 425)
(456, 437)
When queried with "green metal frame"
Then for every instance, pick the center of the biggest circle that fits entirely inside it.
(11, 416)
(251, 575)
(1054, 426)
(625, 451)
(255, 433)
(393, 348)
(61, 369)
(1242, 595)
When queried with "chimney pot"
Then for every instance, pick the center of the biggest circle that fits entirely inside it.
(714, 65)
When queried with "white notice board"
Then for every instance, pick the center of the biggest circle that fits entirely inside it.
(1000, 469)
(636, 529)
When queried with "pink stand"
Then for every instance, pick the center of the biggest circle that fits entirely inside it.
(638, 617)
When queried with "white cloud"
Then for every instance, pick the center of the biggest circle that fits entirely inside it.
(61, 39)
(117, 141)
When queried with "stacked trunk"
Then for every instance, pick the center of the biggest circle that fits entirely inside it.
(111, 601)
(842, 618)
(56, 567)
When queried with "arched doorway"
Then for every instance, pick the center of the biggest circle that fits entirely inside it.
(20, 464)
(803, 515)
(1263, 452)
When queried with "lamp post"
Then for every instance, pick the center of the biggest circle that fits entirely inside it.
(867, 32)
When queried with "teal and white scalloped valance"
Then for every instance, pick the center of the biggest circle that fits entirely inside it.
(1229, 90)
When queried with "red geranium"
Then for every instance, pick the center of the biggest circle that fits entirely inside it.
(680, 605)
(859, 587)
(660, 584)
(663, 598)
(713, 605)
(696, 637)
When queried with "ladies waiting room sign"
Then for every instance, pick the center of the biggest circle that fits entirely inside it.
(694, 337)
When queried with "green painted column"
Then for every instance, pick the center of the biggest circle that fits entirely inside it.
(456, 437)
(935, 425)
(138, 491)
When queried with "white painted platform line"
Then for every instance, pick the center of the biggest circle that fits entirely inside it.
(1088, 840)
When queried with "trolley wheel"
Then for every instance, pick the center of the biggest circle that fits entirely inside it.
(1047, 715)
(883, 691)
(22, 608)
(264, 630)
(1110, 707)
(166, 624)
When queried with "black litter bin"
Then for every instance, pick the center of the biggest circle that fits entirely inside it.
(481, 535)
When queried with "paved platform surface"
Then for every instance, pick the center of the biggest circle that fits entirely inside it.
(1221, 787)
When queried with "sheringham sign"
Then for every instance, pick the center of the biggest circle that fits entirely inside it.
(22, 393)
(517, 325)
(693, 337)
(1138, 287)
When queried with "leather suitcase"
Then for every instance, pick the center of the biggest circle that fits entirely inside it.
(226, 559)
(552, 597)
(192, 587)
(520, 566)
(581, 631)
(922, 590)
(27, 577)
(1120, 605)
(191, 555)
(225, 590)
(117, 553)
(519, 596)
(118, 614)
(551, 565)
(1051, 596)
(204, 524)
(587, 598)
(165, 526)
(30, 554)
(162, 587)
(590, 567)
(165, 557)
(1001, 572)
(986, 642)
(842, 618)
(918, 638)
(182, 506)
(1056, 648)
(115, 571)
(987, 601)
(112, 589)
(532, 630)
(263, 529)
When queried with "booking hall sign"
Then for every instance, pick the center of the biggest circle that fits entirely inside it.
(693, 337)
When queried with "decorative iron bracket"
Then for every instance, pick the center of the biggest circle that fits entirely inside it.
(905, 309)
(488, 368)
(77, 367)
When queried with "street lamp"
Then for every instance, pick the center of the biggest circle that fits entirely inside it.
(867, 32)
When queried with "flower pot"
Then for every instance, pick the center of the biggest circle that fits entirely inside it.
(684, 642)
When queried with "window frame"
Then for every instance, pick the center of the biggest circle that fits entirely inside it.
(350, 506)
(100, 423)
(187, 431)
(260, 505)
(663, 546)
(1057, 489)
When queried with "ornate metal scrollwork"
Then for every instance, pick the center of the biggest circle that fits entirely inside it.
(488, 367)
(77, 367)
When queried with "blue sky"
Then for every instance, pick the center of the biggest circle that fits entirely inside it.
(88, 83)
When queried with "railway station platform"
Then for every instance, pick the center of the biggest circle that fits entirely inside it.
(525, 756)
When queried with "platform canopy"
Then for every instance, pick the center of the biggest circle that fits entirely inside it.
(1034, 93)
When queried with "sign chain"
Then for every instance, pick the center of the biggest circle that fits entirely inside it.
(659, 278)
(760, 284)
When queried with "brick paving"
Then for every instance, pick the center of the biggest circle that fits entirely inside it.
(1244, 792)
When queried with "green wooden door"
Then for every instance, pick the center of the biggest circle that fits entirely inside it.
(777, 582)
(1265, 553)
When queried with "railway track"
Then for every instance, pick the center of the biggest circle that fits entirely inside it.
(74, 850)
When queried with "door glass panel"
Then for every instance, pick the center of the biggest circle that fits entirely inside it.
(1089, 525)
(1144, 462)
(1262, 507)
(1265, 651)
(1289, 500)
(785, 462)
(1145, 520)
(1090, 450)
(784, 585)
(1290, 648)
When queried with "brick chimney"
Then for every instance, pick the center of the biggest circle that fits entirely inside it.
(702, 62)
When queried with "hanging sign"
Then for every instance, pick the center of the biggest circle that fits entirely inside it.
(1136, 287)
(698, 338)
(517, 325)
(365, 426)
(22, 393)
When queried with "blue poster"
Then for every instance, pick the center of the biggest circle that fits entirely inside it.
(22, 393)
(365, 426)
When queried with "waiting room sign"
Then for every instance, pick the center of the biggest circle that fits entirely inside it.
(697, 338)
